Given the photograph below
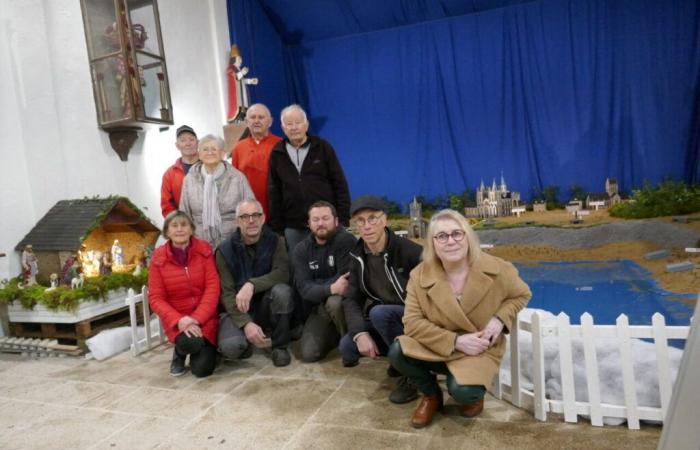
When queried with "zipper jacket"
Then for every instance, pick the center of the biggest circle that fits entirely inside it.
(400, 257)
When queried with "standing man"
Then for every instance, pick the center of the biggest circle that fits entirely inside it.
(303, 169)
(374, 304)
(321, 270)
(171, 187)
(254, 269)
(252, 154)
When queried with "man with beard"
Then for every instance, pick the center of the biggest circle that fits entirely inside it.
(321, 265)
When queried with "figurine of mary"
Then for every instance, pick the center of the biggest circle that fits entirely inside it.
(117, 254)
(30, 265)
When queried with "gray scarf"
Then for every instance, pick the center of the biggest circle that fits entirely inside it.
(211, 217)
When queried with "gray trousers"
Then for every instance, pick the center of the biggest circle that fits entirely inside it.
(272, 311)
(323, 329)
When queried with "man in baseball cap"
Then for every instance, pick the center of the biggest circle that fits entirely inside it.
(171, 187)
(374, 303)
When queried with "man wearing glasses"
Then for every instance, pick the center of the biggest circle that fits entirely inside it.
(254, 271)
(380, 266)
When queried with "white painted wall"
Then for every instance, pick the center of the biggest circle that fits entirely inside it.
(51, 146)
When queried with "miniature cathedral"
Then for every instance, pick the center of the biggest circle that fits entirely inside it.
(494, 201)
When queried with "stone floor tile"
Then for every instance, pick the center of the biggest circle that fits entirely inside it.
(60, 392)
(141, 433)
(458, 432)
(317, 436)
(208, 434)
(52, 427)
(284, 403)
(365, 404)
(181, 404)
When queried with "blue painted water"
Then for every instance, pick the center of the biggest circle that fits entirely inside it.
(605, 289)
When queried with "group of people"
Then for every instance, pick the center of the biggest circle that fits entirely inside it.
(258, 250)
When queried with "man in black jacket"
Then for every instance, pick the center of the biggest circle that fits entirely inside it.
(321, 271)
(303, 169)
(380, 266)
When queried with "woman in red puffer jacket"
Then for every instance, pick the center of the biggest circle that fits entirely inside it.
(183, 290)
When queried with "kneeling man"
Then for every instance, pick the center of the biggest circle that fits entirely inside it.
(380, 265)
(321, 264)
(254, 271)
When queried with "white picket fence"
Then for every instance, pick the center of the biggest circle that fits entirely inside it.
(152, 338)
(535, 400)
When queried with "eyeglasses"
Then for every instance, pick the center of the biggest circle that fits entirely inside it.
(372, 220)
(456, 235)
(247, 217)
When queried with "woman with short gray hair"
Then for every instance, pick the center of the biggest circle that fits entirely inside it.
(211, 191)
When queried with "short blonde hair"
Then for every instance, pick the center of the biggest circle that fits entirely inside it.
(474, 252)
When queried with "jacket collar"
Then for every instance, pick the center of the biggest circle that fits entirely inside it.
(197, 246)
(434, 279)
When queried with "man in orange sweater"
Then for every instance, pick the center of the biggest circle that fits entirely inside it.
(252, 154)
(171, 187)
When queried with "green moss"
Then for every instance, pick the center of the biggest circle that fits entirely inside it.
(63, 298)
(669, 198)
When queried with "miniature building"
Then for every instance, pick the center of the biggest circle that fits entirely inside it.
(606, 199)
(574, 205)
(88, 228)
(494, 201)
(539, 206)
(418, 225)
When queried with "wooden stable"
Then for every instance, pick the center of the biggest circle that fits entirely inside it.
(86, 228)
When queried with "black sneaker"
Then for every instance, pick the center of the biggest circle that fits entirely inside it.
(404, 392)
(177, 365)
(350, 363)
(392, 372)
(296, 332)
(247, 353)
(280, 357)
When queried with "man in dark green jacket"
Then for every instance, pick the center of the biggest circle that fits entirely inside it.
(254, 271)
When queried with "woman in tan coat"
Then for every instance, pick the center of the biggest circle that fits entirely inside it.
(460, 302)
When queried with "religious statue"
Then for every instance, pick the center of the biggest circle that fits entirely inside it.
(117, 254)
(53, 279)
(69, 269)
(106, 263)
(30, 265)
(238, 101)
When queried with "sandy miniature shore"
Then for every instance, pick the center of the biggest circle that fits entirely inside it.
(551, 237)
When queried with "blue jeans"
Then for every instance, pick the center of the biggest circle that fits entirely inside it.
(293, 236)
(384, 325)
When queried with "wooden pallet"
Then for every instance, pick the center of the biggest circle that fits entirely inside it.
(72, 333)
(38, 347)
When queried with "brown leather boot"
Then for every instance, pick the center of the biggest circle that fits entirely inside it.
(428, 406)
(473, 409)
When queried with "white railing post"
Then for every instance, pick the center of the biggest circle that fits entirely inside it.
(592, 377)
(131, 301)
(664, 368)
(566, 366)
(623, 334)
(538, 369)
(515, 394)
(146, 317)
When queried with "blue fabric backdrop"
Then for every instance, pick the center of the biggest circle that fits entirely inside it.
(545, 92)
